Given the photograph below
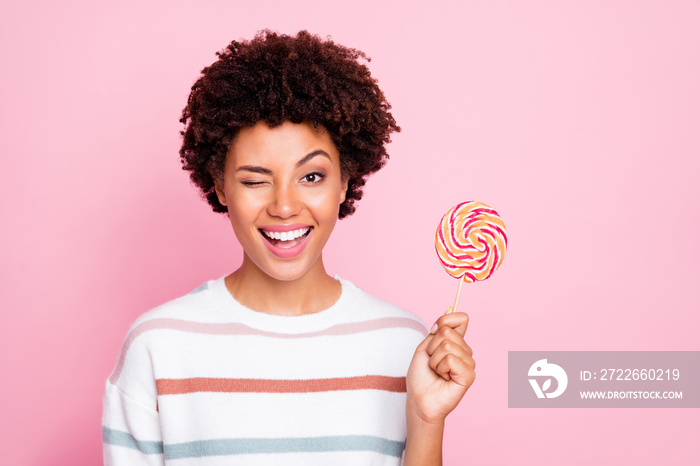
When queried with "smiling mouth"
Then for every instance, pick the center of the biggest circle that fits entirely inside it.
(286, 239)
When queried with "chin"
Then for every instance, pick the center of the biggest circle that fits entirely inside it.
(287, 272)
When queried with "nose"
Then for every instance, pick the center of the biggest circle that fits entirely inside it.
(285, 202)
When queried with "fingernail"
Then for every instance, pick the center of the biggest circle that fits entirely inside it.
(434, 328)
(449, 310)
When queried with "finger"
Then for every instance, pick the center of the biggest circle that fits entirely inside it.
(449, 334)
(446, 334)
(449, 310)
(449, 348)
(457, 348)
(455, 320)
(457, 370)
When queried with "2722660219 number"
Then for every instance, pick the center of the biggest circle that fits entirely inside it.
(639, 374)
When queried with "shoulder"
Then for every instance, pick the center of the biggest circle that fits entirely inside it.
(382, 328)
(367, 306)
(154, 328)
(196, 304)
(200, 307)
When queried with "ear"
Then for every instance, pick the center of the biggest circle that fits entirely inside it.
(220, 191)
(344, 191)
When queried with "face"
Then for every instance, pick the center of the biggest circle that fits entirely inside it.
(283, 189)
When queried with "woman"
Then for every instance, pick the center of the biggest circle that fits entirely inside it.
(278, 362)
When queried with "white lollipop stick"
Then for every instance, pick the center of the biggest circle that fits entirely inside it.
(459, 290)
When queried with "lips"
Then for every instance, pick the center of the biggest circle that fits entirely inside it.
(286, 240)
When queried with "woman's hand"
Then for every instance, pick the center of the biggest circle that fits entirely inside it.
(441, 372)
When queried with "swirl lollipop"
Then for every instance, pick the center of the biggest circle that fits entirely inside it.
(470, 242)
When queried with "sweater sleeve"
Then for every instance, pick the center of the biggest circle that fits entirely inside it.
(131, 433)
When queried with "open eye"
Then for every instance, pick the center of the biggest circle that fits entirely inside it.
(314, 177)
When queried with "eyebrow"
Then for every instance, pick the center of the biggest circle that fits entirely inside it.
(267, 171)
(311, 155)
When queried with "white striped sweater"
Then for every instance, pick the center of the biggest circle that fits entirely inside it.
(203, 380)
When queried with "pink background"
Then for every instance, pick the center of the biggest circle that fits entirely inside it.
(578, 121)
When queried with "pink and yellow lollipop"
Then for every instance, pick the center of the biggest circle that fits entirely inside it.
(471, 242)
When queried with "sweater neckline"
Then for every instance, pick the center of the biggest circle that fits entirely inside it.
(317, 321)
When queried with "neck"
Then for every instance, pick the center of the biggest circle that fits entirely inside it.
(312, 292)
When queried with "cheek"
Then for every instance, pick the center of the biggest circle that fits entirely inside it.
(244, 200)
(327, 203)
(242, 209)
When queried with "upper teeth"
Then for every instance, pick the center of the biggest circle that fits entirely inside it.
(286, 235)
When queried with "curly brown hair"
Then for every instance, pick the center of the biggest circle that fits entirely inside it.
(275, 78)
